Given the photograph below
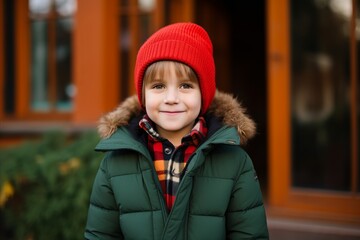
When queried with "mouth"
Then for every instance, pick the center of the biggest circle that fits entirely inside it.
(171, 112)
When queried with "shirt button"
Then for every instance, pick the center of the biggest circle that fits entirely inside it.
(167, 151)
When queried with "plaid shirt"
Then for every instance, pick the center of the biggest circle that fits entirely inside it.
(170, 162)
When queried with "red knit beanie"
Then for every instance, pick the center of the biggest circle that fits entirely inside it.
(182, 42)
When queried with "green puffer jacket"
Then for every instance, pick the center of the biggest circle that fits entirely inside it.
(218, 198)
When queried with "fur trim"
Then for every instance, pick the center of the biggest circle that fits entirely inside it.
(121, 116)
(230, 112)
(224, 106)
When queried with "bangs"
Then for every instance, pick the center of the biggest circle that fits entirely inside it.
(158, 69)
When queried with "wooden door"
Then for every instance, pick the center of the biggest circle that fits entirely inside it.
(313, 109)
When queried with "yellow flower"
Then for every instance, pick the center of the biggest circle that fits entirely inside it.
(7, 190)
(74, 163)
(64, 168)
(71, 164)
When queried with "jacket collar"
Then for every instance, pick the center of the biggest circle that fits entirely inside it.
(224, 107)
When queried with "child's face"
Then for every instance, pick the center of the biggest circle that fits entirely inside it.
(172, 100)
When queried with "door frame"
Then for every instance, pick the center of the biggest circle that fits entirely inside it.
(283, 198)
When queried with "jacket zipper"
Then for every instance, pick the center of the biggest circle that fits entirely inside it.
(159, 191)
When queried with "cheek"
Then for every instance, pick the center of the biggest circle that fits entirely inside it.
(196, 104)
(148, 101)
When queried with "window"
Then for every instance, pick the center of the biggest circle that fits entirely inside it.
(51, 26)
(138, 20)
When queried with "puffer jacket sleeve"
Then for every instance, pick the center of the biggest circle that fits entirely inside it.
(103, 214)
(246, 218)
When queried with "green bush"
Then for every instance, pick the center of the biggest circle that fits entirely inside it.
(45, 187)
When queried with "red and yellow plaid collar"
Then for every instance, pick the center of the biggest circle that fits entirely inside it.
(196, 136)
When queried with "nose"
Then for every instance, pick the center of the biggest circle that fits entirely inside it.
(171, 96)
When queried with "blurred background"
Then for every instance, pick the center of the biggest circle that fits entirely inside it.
(294, 64)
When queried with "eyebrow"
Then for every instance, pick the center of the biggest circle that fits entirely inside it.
(188, 79)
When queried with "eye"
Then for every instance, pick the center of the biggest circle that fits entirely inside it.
(186, 86)
(157, 86)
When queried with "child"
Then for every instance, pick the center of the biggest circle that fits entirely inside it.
(174, 167)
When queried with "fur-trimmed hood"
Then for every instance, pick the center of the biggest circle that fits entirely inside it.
(224, 106)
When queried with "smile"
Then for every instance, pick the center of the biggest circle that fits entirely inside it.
(171, 112)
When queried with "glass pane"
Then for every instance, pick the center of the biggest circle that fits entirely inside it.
(124, 3)
(125, 41)
(320, 94)
(65, 89)
(145, 27)
(65, 7)
(39, 66)
(40, 6)
(146, 5)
